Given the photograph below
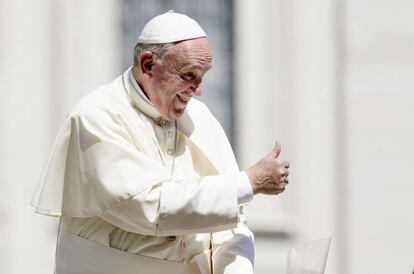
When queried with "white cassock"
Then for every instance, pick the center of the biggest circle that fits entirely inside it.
(143, 195)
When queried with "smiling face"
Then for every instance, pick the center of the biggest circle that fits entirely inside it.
(172, 83)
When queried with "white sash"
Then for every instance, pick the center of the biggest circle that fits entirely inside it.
(76, 255)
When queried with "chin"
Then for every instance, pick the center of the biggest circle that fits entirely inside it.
(177, 114)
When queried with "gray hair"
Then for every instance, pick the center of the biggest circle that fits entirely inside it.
(159, 50)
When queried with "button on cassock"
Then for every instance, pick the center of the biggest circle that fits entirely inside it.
(170, 152)
(171, 238)
(164, 122)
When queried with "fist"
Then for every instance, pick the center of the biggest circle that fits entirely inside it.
(270, 174)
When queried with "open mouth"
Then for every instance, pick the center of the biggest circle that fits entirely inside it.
(184, 98)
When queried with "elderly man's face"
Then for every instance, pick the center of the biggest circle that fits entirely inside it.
(179, 77)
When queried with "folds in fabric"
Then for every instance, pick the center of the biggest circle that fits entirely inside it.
(93, 166)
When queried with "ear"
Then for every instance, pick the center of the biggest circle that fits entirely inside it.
(146, 63)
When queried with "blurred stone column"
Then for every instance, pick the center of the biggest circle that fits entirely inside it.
(286, 75)
(260, 115)
(380, 132)
(26, 134)
(51, 52)
(318, 146)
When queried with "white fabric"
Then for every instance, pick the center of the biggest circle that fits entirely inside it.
(245, 193)
(233, 250)
(190, 210)
(105, 139)
(170, 27)
(77, 255)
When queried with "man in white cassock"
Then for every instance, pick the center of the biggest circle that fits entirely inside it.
(142, 175)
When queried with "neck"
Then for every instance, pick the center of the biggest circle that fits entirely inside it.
(137, 79)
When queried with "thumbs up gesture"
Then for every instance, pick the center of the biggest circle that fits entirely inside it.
(275, 151)
(270, 174)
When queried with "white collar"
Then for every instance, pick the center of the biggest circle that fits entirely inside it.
(138, 98)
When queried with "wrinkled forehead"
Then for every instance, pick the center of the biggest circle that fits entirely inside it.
(195, 53)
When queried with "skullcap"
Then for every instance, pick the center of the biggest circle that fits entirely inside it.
(170, 27)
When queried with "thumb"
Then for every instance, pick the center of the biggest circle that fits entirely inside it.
(275, 151)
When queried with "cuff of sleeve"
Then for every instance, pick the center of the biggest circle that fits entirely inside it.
(245, 191)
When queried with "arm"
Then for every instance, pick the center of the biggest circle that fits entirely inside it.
(142, 197)
(181, 207)
(178, 207)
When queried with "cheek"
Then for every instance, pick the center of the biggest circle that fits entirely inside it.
(175, 87)
(169, 87)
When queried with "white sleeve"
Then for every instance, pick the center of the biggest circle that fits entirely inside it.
(178, 207)
(245, 191)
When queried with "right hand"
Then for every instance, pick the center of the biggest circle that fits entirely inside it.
(269, 175)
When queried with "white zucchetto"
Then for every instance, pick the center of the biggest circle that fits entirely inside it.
(170, 27)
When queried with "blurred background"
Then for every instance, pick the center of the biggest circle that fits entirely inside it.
(332, 80)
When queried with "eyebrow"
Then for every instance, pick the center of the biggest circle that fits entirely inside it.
(195, 66)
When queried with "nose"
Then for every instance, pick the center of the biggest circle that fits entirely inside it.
(196, 89)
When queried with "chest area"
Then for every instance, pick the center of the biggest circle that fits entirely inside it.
(164, 142)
